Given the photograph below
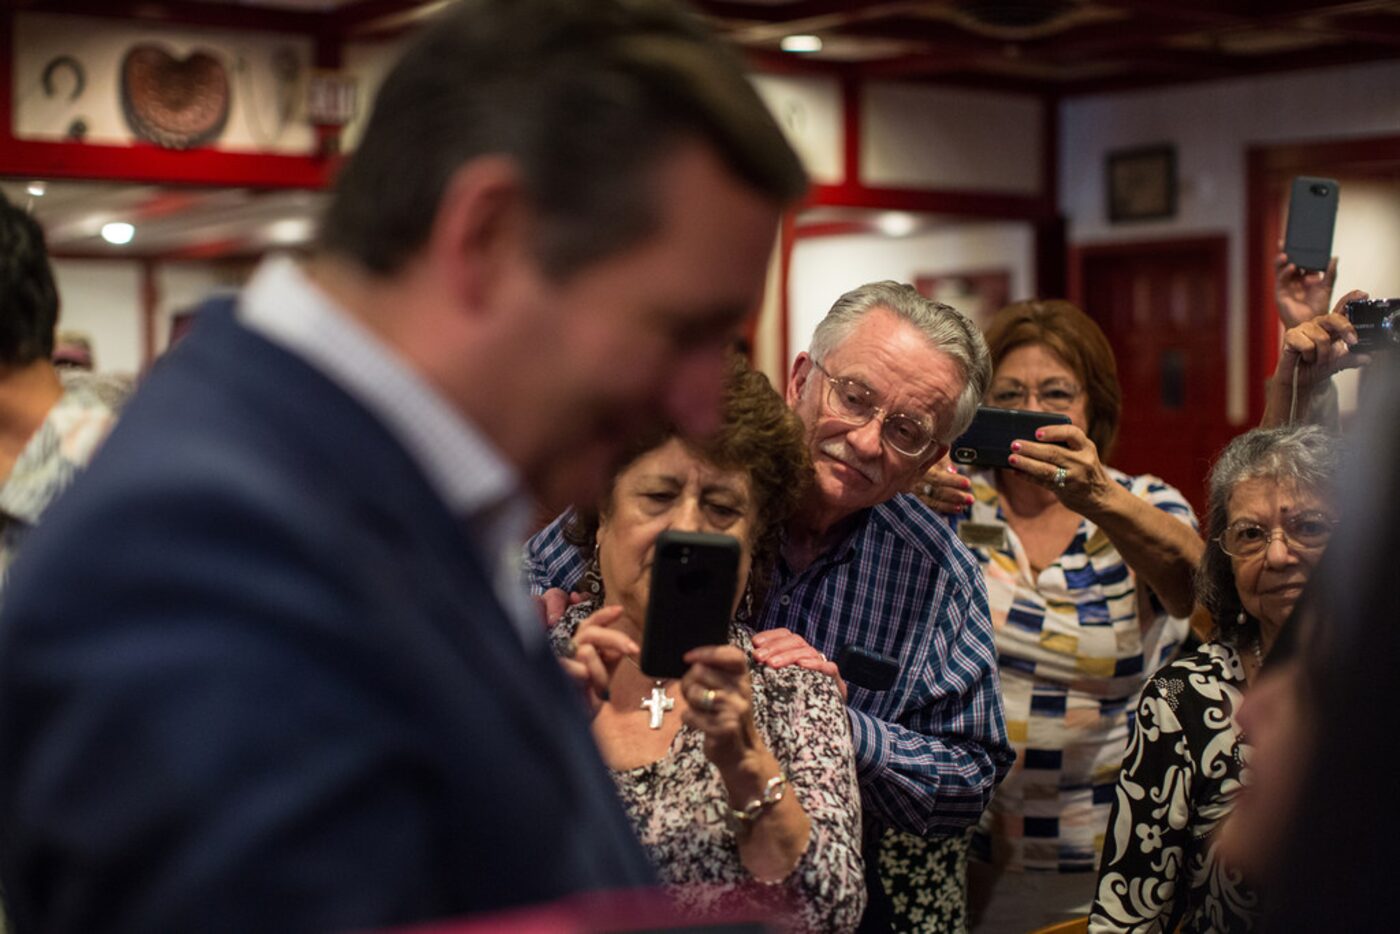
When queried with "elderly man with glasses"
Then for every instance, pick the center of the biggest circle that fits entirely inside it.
(890, 379)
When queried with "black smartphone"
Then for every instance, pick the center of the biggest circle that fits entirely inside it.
(1312, 214)
(694, 577)
(987, 442)
(867, 668)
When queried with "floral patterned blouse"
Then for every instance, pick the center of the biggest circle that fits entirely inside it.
(1180, 778)
(1075, 642)
(678, 804)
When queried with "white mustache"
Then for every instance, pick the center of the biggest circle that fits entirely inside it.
(838, 449)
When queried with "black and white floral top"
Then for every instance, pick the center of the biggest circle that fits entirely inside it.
(1179, 780)
(678, 804)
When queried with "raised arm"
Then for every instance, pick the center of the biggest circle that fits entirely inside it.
(1156, 535)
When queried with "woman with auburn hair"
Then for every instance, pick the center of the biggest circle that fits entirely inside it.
(1089, 576)
(740, 778)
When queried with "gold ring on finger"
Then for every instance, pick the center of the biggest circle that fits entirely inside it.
(708, 700)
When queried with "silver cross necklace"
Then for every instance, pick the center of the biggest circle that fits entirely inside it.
(658, 703)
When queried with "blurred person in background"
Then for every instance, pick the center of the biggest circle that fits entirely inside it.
(1089, 574)
(270, 666)
(1270, 516)
(51, 423)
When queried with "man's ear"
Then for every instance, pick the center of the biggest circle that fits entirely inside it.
(797, 379)
(479, 229)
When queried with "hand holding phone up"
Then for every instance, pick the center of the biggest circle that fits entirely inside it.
(1063, 460)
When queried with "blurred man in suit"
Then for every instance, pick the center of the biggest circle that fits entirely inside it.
(270, 666)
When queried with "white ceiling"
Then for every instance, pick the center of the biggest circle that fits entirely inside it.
(195, 223)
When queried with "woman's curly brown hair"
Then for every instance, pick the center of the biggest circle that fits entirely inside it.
(759, 435)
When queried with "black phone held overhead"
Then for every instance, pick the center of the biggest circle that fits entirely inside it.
(694, 577)
(1312, 215)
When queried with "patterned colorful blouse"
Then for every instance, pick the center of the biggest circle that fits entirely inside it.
(1074, 645)
(1180, 778)
(678, 804)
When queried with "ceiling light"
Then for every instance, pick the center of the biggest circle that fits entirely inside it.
(896, 224)
(36, 189)
(118, 233)
(802, 43)
(290, 230)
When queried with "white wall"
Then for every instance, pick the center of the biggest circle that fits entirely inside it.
(1212, 125)
(825, 267)
(808, 108)
(103, 298)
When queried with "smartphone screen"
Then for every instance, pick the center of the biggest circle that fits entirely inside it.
(1312, 214)
(987, 442)
(694, 578)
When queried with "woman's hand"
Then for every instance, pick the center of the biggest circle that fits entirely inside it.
(778, 648)
(594, 653)
(719, 703)
(1084, 486)
(1301, 295)
(944, 490)
(1320, 347)
(1312, 352)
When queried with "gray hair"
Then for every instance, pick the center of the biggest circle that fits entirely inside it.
(947, 329)
(1306, 457)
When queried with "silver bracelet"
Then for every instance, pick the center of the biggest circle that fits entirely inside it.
(773, 792)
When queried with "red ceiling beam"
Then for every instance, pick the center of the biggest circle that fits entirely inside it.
(183, 13)
(957, 203)
(145, 163)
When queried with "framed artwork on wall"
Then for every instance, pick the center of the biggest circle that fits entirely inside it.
(1141, 183)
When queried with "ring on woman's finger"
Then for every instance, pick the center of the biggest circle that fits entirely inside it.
(569, 649)
(1061, 474)
(707, 700)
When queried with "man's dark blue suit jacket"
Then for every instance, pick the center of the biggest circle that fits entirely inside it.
(254, 677)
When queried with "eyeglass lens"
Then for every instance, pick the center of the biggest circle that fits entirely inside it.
(1306, 531)
(1052, 394)
(854, 402)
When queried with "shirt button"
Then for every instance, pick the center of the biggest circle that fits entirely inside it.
(785, 599)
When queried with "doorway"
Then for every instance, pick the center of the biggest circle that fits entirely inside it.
(1162, 306)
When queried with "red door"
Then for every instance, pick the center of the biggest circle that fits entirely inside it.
(1162, 306)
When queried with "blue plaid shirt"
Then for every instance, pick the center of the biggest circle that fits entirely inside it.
(930, 750)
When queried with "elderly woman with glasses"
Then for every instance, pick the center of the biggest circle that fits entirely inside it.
(1089, 576)
(1271, 516)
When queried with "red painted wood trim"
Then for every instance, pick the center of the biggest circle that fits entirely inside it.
(148, 163)
(150, 299)
(852, 115)
(787, 237)
(184, 13)
(934, 201)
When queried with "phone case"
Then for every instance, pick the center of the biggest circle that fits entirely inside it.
(987, 442)
(867, 669)
(694, 577)
(1312, 215)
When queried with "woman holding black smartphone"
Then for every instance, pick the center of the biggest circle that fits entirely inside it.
(740, 778)
(1089, 578)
